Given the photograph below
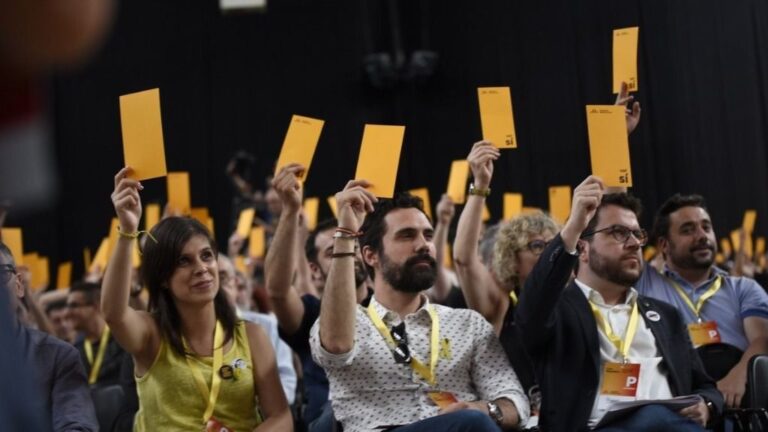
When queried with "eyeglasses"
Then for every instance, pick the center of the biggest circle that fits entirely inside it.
(537, 246)
(621, 234)
(7, 271)
(401, 351)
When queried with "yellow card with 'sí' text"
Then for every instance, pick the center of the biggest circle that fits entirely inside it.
(151, 216)
(496, 116)
(13, 238)
(257, 242)
(178, 192)
(560, 203)
(311, 207)
(245, 222)
(625, 58)
(300, 143)
(64, 275)
(457, 181)
(142, 127)
(750, 216)
(380, 157)
(608, 144)
(513, 205)
(423, 193)
(332, 204)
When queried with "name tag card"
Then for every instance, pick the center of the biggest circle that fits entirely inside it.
(620, 379)
(704, 333)
(442, 399)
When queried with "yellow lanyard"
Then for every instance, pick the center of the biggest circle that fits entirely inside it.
(96, 366)
(621, 345)
(218, 355)
(713, 288)
(513, 298)
(428, 373)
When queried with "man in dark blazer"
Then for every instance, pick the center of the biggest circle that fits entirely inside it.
(578, 333)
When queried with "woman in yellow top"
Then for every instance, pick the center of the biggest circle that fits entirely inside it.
(197, 366)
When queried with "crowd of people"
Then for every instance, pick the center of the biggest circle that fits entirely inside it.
(358, 325)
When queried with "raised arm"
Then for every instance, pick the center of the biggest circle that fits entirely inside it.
(134, 331)
(281, 259)
(337, 312)
(475, 279)
(445, 211)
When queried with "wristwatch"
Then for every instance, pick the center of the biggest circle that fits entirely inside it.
(495, 413)
(478, 192)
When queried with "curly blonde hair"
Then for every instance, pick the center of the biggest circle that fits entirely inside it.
(513, 237)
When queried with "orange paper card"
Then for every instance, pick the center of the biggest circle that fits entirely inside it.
(311, 207)
(608, 144)
(649, 253)
(257, 242)
(486, 213)
(560, 203)
(64, 275)
(442, 399)
(101, 257)
(201, 214)
(736, 241)
(457, 181)
(749, 221)
(496, 116)
(531, 210)
(380, 157)
(209, 225)
(423, 193)
(44, 273)
(725, 247)
(135, 255)
(142, 126)
(86, 259)
(513, 205)
(300, 142)
(625, 58)
(620, 379)
(245, 222)
(760, 246)
(704, 333)
(30, 262)
(151, 216)
(13, 238)
(332, 204)
(178, 192)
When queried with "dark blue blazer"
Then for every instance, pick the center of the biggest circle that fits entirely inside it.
(561, 337)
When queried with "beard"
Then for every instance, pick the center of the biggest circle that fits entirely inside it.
(412, 276)
(691, 259)
(612, 270)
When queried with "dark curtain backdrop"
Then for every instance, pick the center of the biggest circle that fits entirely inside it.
(232, 82)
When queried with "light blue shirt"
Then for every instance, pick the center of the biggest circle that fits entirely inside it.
(738, 298)
(283, 352)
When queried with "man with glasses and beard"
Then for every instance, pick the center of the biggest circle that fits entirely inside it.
(595, 341)
(716, 307)
(403, 363)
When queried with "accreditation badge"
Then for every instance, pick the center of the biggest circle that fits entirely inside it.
(703, 333)
(620, 381)
(214, 425)
(442, 399)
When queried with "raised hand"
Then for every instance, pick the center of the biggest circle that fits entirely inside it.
(480, 160)
(288, 187)
(126, 200)
(633, 114)
(445, 210)
(354, 202)
(586, 199)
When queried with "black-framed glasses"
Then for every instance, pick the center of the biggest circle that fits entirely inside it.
(401, 351)
(7, 271)
(621, 234)
(537, 246)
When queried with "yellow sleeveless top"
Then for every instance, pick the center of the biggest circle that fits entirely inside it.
(169, 399)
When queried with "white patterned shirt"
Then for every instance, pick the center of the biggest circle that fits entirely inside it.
(369, 390)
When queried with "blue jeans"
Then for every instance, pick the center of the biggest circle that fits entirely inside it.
(653, 418)
(459, 421)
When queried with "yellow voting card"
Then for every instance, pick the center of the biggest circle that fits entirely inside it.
(531, 210)
(332, 204)
(201, 214)
(245, 222)
(100, 259)
(513, 205)
(151, 216)
(311, 208)
(625, 58)
(178, 192)
(608, 144)
(210, 226)
(135, 255)
(760, 246)
(496, 116)
(749, 221)
(725, 247)
(736, 240)
(86, 259)
(379, 158)
(649, 253)
(142, 126)
(457, 181)
(240, 264)
(43, 272)
(560, 203)
(423, 193)
(300, 142)
(13, 238)
(486, 213)
(257, 242)
(64, 275)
